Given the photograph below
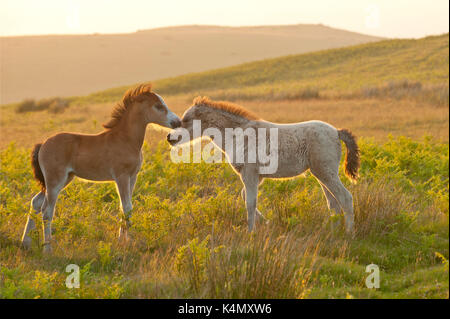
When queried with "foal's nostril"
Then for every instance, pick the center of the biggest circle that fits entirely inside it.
(169, 139)
(175, 123)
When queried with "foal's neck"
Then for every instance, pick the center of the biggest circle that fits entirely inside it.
(132, 128)
(223, 120)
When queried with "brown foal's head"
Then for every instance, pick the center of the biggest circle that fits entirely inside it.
(154, 110)
(148, 105)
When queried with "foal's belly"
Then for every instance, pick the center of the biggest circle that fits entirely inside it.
(105, 169)
(285, 173)
(95, 177)
(288, 169)
(93, 174)
(92, 168)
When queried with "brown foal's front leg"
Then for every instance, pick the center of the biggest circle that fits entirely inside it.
(123, 183)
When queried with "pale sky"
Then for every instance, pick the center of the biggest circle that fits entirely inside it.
(388, 18)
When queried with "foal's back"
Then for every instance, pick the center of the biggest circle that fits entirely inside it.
(90, 156)
(304, 144)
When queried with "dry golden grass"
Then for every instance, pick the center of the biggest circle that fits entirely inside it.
(366, 118)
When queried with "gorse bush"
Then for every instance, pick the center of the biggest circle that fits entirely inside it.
(431, 94)
(266, 92)
(53, 105)
(27, 105)
(190, 239)
(419, 168)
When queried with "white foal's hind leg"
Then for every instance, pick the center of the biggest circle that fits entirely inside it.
(250, 179)
(123, 184)
(333, 206)
(343, 196)
(259, 217)
(35, 209)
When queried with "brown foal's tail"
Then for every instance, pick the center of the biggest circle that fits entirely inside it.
(352, 161)
(36, 167)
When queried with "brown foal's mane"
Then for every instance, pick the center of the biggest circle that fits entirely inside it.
(129, 98)
(225, 106)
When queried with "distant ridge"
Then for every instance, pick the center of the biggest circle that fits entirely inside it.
(423, 61)
(67, 65)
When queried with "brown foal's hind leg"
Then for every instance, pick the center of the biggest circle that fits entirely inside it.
(123, 184)
(35, 209)
(48, 207)
(132, 184)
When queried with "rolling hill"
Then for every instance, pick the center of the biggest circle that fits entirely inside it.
(398, 87)
(43, 66)
(423, 60)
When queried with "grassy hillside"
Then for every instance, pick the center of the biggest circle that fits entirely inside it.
(190, 236)
(189, 231)
(330, 71)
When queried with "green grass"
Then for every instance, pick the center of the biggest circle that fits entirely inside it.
(190, 238)
(328, 72)
(189, 231)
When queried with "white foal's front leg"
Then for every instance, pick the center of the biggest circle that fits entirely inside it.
(250, 179)
(123, 184)
(259, 217)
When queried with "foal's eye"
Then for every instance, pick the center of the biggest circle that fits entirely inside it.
(159, 107)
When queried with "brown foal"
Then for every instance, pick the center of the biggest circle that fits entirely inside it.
(112, 155)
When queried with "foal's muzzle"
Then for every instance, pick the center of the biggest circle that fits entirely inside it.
(172, 141)
(175, 123)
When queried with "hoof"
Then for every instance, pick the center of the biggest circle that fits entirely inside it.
(123, 234)
(351, 234)
(47, 248)
(350, 231)
(26, 243)
(260, 219)
(335, 223)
